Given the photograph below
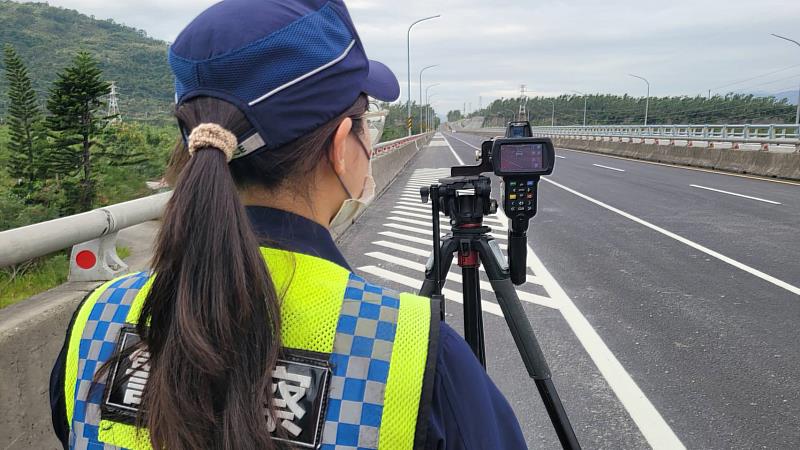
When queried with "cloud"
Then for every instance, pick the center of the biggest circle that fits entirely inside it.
(488, 48)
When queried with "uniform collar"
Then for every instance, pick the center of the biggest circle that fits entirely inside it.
(280, 229)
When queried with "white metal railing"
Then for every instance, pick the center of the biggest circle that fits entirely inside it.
(92, 235)
(764, 135)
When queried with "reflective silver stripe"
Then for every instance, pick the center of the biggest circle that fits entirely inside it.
(309, 74)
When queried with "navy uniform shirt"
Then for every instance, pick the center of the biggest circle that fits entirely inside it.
(467, 411)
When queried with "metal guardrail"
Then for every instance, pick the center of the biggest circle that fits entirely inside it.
(763, 135)
(92, 235)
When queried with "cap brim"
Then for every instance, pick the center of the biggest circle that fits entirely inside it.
(381, 83)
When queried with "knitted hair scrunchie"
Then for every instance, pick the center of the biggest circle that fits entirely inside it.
(212, 135)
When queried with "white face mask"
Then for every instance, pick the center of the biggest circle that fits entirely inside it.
(353, 207)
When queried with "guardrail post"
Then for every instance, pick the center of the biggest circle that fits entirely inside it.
(96, 260)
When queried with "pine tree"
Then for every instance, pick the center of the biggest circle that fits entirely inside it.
(75, 122)
(26, 128)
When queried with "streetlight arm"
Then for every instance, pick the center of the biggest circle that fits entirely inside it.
(641, 78)
(408, 45)
(786, 39)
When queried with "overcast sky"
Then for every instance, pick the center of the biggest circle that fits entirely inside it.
(488, 48)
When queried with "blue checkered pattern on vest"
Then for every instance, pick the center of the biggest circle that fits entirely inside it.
(98, 342)
(362, 351)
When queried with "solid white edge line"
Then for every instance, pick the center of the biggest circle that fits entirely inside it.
(609, 168)
(458, 158)
(735, 194)
(768, 278)
(647, 418)
(560, 157)
(649, 421)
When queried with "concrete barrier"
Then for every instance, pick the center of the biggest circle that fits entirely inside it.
(767, 164)
(31, 335)
(32, 332)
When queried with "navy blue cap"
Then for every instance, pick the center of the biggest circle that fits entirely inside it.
(289, 65)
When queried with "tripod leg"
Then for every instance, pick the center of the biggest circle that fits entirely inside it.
(473, 313)
(449, 247)
(528, 346)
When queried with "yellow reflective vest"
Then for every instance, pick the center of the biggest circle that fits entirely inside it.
(357, 364)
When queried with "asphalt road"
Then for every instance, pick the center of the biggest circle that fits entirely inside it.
(666, 299)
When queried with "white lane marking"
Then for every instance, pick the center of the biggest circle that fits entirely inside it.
(397, 226)
(733, 193)
(404, 248)
(405, 237)
(488, 307)
(458, 158)
(429, 231)
(609, 168)
(418, 210)
(419, 216)
(560, 157)
(456, 278)
(421, 267)
(650, 422)
(647, 418)
(683, 240)
(413, 222)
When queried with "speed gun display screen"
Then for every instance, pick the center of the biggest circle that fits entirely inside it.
(522, 158)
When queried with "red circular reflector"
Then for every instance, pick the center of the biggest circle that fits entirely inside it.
(86, 260)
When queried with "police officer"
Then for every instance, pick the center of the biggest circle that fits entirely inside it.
(216, 349)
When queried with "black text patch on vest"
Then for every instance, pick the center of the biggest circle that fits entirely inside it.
(300, 384)
(127, 379)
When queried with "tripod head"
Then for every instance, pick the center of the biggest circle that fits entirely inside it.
(465, 197)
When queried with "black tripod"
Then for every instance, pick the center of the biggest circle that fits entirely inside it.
(470, 240)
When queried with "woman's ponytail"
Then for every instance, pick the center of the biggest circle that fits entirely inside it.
(211, 319)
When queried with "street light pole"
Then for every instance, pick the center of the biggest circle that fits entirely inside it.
(420, 91)
(585, 105)
(797, 118)
(428, 109)
(408, 44)
(647, 104)
(553, 117)
(427, 91)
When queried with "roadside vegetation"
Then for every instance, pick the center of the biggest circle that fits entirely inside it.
(66, 157)
(604, 109)
(19, 282)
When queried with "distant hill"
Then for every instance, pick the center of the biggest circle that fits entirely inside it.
(47, 38)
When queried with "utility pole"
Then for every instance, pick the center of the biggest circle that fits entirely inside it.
(647, 104)
(797, 118)
(113, 102)
(408, 43)
(523, 106)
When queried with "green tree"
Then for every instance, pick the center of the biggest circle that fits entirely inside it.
(27, 136)
(76, 123)
(454, 115)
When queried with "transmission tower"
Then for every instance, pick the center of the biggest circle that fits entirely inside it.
(113, 102)
(523, 106)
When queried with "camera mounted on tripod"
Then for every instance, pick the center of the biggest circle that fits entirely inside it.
(465, 197)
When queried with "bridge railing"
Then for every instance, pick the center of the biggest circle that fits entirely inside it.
(764, 135)
(92, 235)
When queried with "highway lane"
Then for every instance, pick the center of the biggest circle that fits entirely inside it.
(712, 346)
(390, 243)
